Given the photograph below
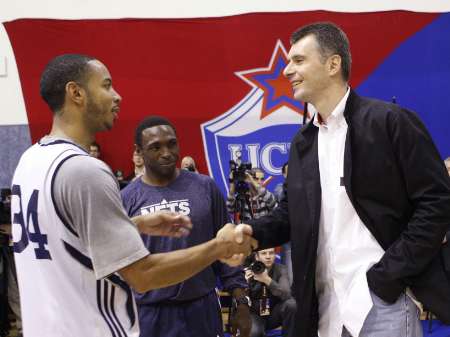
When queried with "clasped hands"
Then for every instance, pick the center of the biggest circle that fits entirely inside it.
(237, 243)
(234, 242)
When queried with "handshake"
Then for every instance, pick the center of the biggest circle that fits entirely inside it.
(235, 243)
(231, 245)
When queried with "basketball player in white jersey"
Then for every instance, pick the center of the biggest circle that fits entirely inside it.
(75, 248)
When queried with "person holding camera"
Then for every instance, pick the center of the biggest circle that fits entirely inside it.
(271, 302)
(259, 200)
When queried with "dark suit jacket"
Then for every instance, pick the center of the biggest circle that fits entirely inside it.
(398, 185)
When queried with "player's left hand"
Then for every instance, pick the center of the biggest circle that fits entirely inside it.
(163, 223)
(241, 321)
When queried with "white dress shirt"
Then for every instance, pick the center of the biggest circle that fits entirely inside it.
(346, 249)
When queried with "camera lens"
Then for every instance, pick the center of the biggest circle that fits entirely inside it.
(258, 267)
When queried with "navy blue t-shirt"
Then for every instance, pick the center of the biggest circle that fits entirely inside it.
(198, 197)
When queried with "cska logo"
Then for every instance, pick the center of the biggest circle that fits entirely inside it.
(259, 128)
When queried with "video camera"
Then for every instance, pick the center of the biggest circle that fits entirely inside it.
(257, 267)
(238, 175)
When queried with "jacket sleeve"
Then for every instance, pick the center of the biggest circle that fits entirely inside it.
(280, 287)
(230, 277)
(428, 187)
(272, 229)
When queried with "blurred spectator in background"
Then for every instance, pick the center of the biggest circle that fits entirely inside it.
(94, 150)
(120, 178)
(188, 163)
(139, 167)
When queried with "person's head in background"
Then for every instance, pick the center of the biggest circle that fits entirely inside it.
(139, 166)
(284, 170)
(266, 256)
(156, 141)
(138, 161)
(188, 163)
(94, 150)
(258, 175)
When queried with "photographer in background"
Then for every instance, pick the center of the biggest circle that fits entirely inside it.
(260, 200)
(271, 303)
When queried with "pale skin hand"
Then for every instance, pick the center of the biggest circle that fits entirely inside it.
(240, 234)
(234, 245)
(163, 223)
(263, 277)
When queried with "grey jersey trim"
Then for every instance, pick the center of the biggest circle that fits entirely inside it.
(63, 220)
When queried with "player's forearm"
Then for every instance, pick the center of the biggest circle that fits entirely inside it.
(166, 269)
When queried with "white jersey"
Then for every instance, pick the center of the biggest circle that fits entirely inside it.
(60, 294)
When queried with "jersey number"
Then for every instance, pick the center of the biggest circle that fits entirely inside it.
(31, 217)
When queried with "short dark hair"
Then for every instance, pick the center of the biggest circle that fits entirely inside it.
(149, 122)
(58, 72)
(97, 145)
(331, 40)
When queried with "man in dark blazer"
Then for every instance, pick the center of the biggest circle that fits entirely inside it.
(367, 204)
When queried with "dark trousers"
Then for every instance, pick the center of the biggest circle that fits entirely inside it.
(197, 318)
(282, 314)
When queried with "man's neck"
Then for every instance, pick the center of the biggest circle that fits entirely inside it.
(329, 99)
(154, 179)
(72, 130)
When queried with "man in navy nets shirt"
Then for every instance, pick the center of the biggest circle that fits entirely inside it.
(190, 308)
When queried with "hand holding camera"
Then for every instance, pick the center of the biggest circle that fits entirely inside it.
(256, 270)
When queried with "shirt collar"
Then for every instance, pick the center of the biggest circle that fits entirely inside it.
(336, 115)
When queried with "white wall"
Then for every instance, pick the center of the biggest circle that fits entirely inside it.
(12, 106)
(84, 9)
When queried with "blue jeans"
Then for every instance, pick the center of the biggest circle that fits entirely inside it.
(400, 319)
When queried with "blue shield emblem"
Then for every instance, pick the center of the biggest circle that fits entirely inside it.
(259, 128)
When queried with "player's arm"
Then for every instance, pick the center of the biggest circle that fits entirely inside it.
(165, 269)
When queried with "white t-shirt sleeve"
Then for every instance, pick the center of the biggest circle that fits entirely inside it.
(87, 196)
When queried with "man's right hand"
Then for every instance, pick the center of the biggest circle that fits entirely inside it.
(237, 242)
(163, 223)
